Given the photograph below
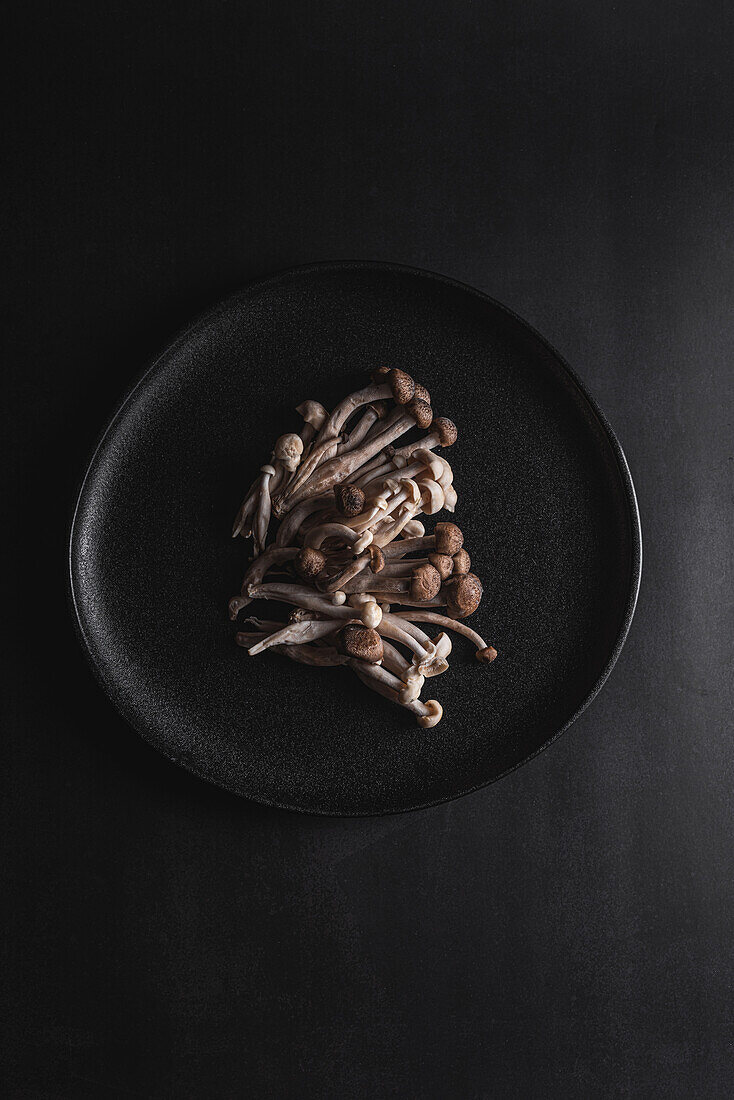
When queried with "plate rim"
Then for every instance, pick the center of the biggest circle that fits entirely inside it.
(245, 292)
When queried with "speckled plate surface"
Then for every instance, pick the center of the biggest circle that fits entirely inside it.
(545, 500)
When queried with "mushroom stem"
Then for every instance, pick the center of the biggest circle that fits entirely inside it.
(274, 555)
(393, 661)
(318, 656)
(301, 596)
(358, 433)
(319, 453)
(334, 424)
(371, 583)
(428, 713)
(452, 624)
(353, 569)
(262, 514)
(297, 634)
(295, 519)
(307, 598)
(398, 633)
(379, 466)
(340, 531)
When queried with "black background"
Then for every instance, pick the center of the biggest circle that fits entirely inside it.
(566, 932)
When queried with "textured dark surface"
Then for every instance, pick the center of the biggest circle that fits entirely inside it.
(563, 933)
(545, 502)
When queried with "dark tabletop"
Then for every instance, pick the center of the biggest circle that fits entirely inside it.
(564, 933)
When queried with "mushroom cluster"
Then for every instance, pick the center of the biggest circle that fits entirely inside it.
(350, 546)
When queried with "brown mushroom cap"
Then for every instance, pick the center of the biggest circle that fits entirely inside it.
(349, 499)
(421, 393)
(461, 562)
(403, 386)
(446, 430)
(309, 562)
(486, 656)
(463, 595)
(377, 559)
(449, 539)
(444, 563)
(421, 412)
(425, 582)
(361, 642)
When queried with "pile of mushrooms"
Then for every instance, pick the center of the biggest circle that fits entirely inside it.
(350, 546)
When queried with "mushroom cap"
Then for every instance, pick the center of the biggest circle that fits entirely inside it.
(425, 582)
(360, 642)
(421, 412)
(371, 614)
(413, 529)
(486, 656)
(349, 499)
(411, 689)
(377, 559)
(432, 497)
(403, 386)
(309, 562)
(443, 564)
(450, 498)
(412, 489)
(313, 413)
(463, 595)
(449, 539)
(288, 450)
(432, 462)
(379, 374)
(421, 393)
(434, 716)
(461, 562)
(446, 476)
(446, 431)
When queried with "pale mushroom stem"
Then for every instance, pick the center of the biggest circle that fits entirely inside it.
(262, 515)
(346, 408)
(353, 569)
(318, 656)
(292, 523)
(297, 634)
(428, 714)
(320, 452)
(274, 555)
(358, 433)
(449, 624)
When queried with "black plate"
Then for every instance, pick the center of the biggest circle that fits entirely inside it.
(545, 499)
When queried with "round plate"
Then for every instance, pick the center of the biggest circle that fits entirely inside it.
(545, 500)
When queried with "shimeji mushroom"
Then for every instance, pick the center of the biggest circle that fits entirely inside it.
(460, 596)
(288, 450)
(349, 504)
(297, 634)
(262, 513)
(378, 679)
(484, 653)
(314, 416)
(447, 538)
(443, 434)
